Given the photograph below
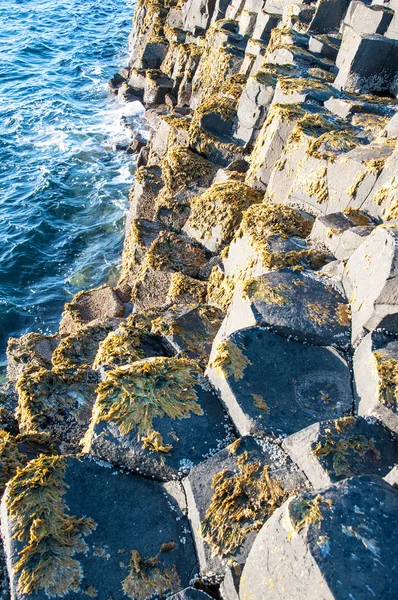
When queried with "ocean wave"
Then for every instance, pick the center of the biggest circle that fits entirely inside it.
(64, 189)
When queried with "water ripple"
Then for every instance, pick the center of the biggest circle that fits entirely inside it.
(63, 187)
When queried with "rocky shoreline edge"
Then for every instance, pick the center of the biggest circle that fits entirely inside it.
(223, 423)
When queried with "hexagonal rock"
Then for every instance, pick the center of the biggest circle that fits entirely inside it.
(367, 63)
(270, 142)
(81, 526)
(190, 594)
(269, 383)
(217, 213)
(376, 378)
(371, 283)
(169, 270)
(189, 329)
(231, 495)
(86, 306)
(333, 450)
(295, 304)
(157, 416)
(271, 236)
(32, 348)
(58, 402)
(128, 343)
(341, 235)
(343, 539)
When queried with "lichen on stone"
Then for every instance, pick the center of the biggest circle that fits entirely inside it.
(229, 360)
(47, 398)
(16, 451)
(184, 289)
(316, 185)
(343, 450)
(261, 220)
(149, 577)
(171, 252)
(181, 167)
(50, 535)
(78, 349)
(242, 501)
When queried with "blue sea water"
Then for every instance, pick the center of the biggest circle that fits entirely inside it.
(63, 186)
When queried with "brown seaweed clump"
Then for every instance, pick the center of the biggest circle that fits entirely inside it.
(229, 360)
(148, 576)
(242, 501)
(305, 512)
(387, 367)
(133, 396)
(50, 535)
(16, 451)
(222, 206)
(345, 451)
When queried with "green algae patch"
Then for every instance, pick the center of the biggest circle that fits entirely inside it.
(222, 206)
(51, 536)
(242, 501)
(149, 577)
(229, 360)
(133, 396)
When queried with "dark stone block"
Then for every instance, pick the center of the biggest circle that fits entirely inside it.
(272, 384)
(178, 424)
(117, 522)
(343, 539)
(333, 450)
(250, 473)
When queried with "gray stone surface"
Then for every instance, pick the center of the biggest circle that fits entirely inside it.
(375, 376)
(272, 384)
(128, 513)
(370, 281)
(328, 15)
(333, 450)
(367, 63)
(369, 19)
(189, 330)
(157, 435)
(218, 488)
(87, 306)
(343, 539)
(300, 305)
(339, 234)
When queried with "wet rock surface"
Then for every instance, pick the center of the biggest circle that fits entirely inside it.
(233, 397)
